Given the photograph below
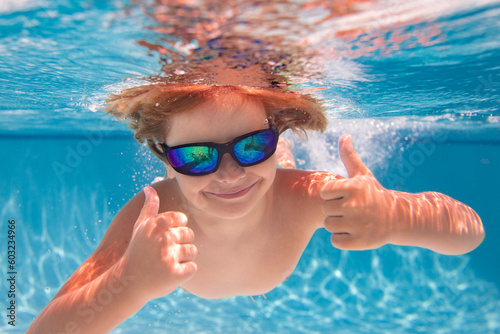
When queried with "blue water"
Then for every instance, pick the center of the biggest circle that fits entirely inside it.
(423, 117)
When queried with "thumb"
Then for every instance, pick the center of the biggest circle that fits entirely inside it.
(350, 158)
(151, 204)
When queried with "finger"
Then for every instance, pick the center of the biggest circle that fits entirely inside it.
(350, 158)
(151, 204)
(337, 224)
(333, 207)
(342, 240)
(159, 226)
(332, 192)
(175, 218)
(335, 189)
(182, 235)
(187, 252)
(187, 269)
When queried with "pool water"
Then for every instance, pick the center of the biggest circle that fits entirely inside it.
(420, 99)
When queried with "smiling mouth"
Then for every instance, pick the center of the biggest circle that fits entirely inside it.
(234, 194)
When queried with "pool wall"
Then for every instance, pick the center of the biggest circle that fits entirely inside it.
(63, 191)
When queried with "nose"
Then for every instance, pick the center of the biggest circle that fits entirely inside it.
(229, 170)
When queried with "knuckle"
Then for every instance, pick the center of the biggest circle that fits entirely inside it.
(344, 241)
(325, 193)
(183, 234)
(328, 189)
(175, 217)
(192, 249)
(330, 220)
(330, 223)
(157, 226)
(356, 185)
(325, 207)
(189, 234)
(188, 250)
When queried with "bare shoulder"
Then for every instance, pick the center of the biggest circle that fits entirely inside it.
(122, 225)
(117, 237)
(302, 182)
(298, 192)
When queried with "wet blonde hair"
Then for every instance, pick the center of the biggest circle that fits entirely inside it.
(146, 109)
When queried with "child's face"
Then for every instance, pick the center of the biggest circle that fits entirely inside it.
(232, 191)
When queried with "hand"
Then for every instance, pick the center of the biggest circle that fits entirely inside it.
(160, 255)
(358, 209)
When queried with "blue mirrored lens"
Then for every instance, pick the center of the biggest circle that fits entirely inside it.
(255, 148)
(193, 159)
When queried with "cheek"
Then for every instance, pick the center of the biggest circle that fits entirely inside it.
(265, 170)
(269, 167)
(191, 186)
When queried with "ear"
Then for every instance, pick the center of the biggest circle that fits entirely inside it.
(170, 171)
(159, 148)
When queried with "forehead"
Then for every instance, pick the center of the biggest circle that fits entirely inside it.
(217, 120)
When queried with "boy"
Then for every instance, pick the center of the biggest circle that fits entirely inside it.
(231, 224)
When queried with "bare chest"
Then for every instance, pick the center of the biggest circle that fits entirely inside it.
(252, 267)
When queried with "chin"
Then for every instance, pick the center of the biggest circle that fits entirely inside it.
(232, 210)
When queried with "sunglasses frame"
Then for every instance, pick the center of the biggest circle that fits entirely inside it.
(223, 149)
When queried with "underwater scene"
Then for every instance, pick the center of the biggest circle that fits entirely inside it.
(415, 83)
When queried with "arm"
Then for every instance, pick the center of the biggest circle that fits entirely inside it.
(362, 214)
(435, 221)
(117, 280)
(96, 307)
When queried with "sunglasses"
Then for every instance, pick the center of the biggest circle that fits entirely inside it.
(204, 158)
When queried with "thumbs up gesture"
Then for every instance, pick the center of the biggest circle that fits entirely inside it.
(358, 209)
(160, 254)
